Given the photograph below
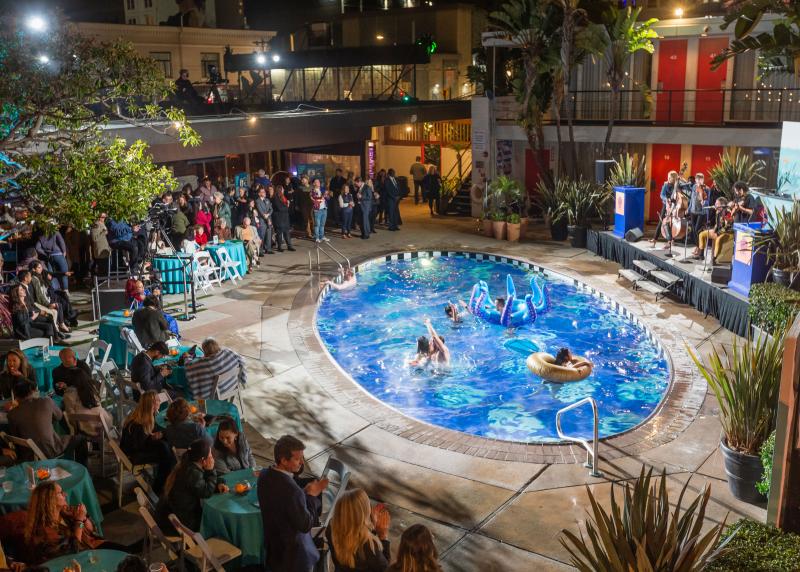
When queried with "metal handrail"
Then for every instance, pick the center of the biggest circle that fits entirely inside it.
(336, 250)
(326, 253)
(592, 459)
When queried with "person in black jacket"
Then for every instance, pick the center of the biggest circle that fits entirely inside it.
(27, 323)
(288, 512)
(280, 219)
(432, 186)
(149, 323)
(392, 190)
(142, 440)
(145, 373)
(354, 545)
(70, 370)
(264, 211)
(192, 480)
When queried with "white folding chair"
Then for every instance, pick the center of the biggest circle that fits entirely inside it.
(74, 421)
(132, 344)
(43, 343)
(336, 487)
(96, 362)
(171, 544)
(205, 270)
(227, 388)
(26, 444)
(207, 554)
(126, 465)
(228, 266)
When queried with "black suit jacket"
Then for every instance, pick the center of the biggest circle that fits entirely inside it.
(288, 514)
(392, 189)
(145, 374)
(150, 326)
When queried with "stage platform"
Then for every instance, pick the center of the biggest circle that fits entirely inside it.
(696, 290)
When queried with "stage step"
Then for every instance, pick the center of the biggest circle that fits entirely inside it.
(644, 265)
(630, 274)
(652, 287)
(667, 278)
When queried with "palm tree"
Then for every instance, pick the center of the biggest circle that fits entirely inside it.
(625, 37)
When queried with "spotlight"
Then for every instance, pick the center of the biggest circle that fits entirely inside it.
(253, 119)
(679, 12)
(36, 23)
(408, 129)
(379, 37)
(43, 59)
(276, 58)
(261, 59)
(177, 124)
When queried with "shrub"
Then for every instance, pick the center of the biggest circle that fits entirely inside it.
(756, 547)
(767, 452)
(773, 306)
(513, 219)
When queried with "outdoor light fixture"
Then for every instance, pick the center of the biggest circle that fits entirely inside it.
(261, 59)
(379, 37)
(253, 119)
(276, 58)
(36, 23)
(408, 129)
(43, 59)
(679, 12)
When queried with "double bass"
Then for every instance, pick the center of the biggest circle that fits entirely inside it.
(675, 216)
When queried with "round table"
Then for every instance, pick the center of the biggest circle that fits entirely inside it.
(44, 368)
(236, 518)
(77, 486)
(170, 270)
(236, 253)
(90, 560)
(214, 407)
(177, 378)
(110, 331)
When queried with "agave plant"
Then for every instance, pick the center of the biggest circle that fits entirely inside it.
(628, 171)
(547, 199)
(784, 243)
(645, 534)
(739, 167)
(581, 200)
(745, 382)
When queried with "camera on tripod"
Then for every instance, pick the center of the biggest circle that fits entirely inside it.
(159, 216)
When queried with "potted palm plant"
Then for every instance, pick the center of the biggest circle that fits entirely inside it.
(505, 195)
(745, 382)
(580, 201)
(732, 168)
(547, 201)
(784, 245)
(626, 182)
(513, 227)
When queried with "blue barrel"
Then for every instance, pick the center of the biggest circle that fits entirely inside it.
(628, 209)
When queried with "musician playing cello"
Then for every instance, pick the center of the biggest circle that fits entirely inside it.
(666, 197)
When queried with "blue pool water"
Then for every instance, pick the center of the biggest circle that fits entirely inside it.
(371, 332)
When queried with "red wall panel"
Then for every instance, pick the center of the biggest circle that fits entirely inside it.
(665, 158)
(671, 76)
(709, 107)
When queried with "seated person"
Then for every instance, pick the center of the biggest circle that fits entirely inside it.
(149, 323)
(148, 376)
(39, 286)
(222, 230)
(33, 419)
(71, 368)
(27, 323)
(135, 292)
(564, 358)
(191, 481)
(720, 233)
(358, 534)
(348, 281)
(142, 440)
(53, 528)
(16, 370)
(200, 236)
(81, 398)
(231, 450)
(201, 373)
(249, 236)
(454, 313)
(184, 428)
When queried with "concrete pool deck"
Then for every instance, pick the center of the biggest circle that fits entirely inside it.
(486, 514)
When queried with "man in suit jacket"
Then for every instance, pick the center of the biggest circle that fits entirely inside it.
(264, 209)
(288, 511)
(392, 200)
(365, 196)
(145, 373)
(149, 323)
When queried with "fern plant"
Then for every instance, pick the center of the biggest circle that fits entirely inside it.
(645, 534)
(733, 168)
(628, 171)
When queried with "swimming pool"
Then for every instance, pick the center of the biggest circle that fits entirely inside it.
(371, 332)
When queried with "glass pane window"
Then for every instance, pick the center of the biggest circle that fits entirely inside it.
(164, 60)
(207, 60)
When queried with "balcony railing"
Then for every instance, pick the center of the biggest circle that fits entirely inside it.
(696, 107)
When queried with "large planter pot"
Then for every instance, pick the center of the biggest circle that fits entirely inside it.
(577, 236)
(780, 276)
(558, 230)
(743, 472)
(513, 231)
(523, 226)
(487, 228)
(499, 229)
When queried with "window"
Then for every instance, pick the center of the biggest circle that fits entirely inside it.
(164, 61)
(132, 21)
(148, 3)
(207, 60)
(131, 5)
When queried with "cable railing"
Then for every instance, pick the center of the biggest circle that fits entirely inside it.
(592, 457)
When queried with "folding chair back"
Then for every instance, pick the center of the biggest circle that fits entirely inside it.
(26, 444)
(230, 267)
(125, 464)
(43, 343)
(132, 343)
(226, 388)
(156, 534)
(199, 550)
(336, 487)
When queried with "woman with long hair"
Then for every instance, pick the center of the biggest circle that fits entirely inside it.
(27, 323)
(358, 534)
(280, 219)
(417, 552)
(192, 480)
(231, 450)
(183, 429)
(53, 528)
(142, 440)
(16, 369)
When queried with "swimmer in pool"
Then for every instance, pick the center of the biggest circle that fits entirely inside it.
(348, 281)
(453, 312)
(564, 358)
(500, 304)
(431, 350)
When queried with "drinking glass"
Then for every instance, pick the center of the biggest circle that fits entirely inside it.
(157, 567)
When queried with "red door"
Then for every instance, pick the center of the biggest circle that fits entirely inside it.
(703, 158)
(666, 158)
(671, 81)
(710, 104)
(532, 171)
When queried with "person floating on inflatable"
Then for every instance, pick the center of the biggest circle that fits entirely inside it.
(509, 311)
(564, 367)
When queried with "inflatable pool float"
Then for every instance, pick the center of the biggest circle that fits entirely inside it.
(543, 365)
(516, 312)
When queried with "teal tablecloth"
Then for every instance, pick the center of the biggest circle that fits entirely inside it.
(170, 272)
(90, 561)
(78, 488)
(177, 378)
(236, 518)
(236, 252)
(214, 407)
(110, 332)
(44, 369)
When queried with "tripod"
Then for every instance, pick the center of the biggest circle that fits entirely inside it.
(155, 233)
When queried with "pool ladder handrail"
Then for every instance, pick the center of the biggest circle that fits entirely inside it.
(328, 254)
(337, 251)
(592, 457)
